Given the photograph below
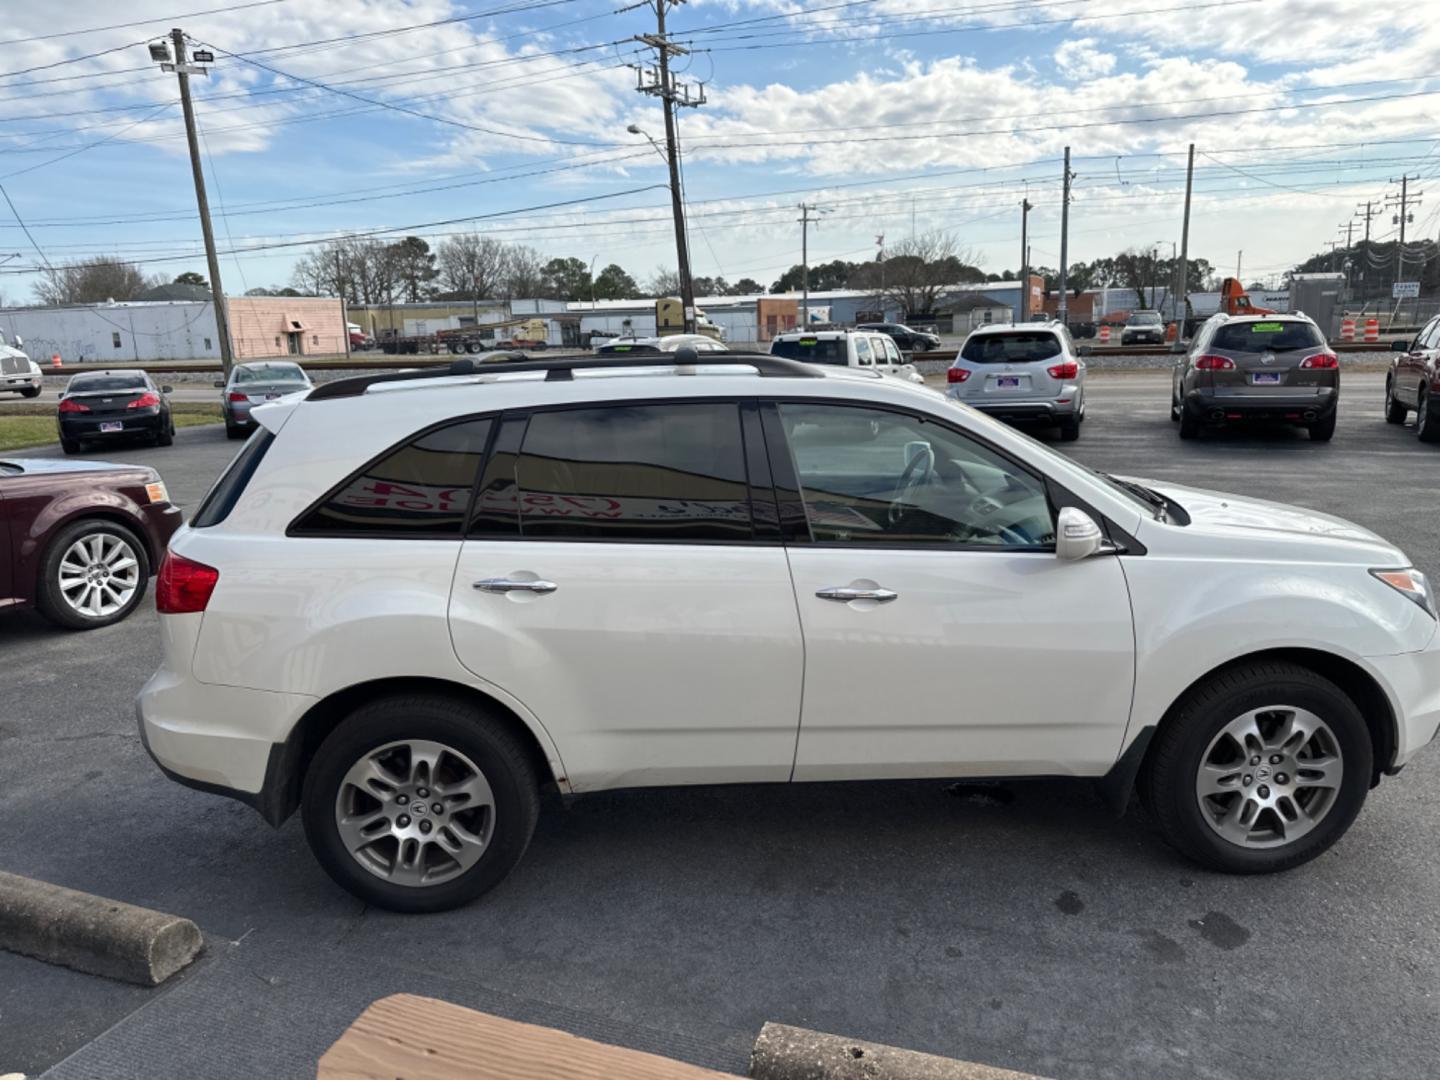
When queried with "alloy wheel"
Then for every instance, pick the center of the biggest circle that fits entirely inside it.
(1269, 777)
(98, 574)
(415, 812)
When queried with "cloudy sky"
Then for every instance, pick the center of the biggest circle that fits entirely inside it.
(510, 117)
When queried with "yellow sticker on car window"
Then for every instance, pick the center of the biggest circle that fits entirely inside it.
(1267, 328)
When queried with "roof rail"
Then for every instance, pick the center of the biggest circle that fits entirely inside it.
(560, 369)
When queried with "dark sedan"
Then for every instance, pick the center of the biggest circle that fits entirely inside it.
(83, 537)
(907, 339)
(113, 406)
(254, 384)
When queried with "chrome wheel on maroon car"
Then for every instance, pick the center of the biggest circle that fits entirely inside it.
(98, 574)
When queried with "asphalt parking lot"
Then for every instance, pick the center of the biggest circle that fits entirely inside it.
(1019, 925)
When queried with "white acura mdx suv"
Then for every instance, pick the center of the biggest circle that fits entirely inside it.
(413, 601)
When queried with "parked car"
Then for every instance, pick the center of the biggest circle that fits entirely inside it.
(113, 406)
(1143, 328)
(1031, 373)
(1275, 368)
(254, 384)
(670, 343)
(17, 371)
(1414, 380)
(846, 348)
(909, 340)
(471, 585)
(83, 537)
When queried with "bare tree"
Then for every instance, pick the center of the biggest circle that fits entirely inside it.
(472, 265)
(918, 271)
(92, 281)
(664, 283)
(522, 276)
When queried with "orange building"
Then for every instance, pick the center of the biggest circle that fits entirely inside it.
(267, 326)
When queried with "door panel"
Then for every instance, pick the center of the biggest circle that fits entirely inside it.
(985, 664)
(650, 663)
(972, 649)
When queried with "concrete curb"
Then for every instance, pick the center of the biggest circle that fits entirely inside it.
(789, 1053)
(92, 934)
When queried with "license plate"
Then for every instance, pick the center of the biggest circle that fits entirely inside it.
(271, 397)
(112, 425)
(1007, 382)
(1265, 378)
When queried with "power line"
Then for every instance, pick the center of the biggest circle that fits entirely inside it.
(161, 21)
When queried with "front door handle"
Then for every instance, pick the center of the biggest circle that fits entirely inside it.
(505, 585)
(844, 594)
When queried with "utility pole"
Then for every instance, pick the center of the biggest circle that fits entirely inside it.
(1404, 201)
(1367, 215)
(183, 70)
(656, 82)
(1025, 209)
(1182, 304)
(1239, 255)
(806, 209)
(1063, 308)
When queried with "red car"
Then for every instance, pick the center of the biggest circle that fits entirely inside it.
(1414, 382)
(79, 540)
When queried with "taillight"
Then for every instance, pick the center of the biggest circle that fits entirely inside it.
(146, 400)
(956, 374)
(1321, 361)
(1214, 363)
(71, 405)
(183, 586)
(236, 395)
(1066, 370)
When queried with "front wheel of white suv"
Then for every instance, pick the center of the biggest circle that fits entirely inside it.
(1259, 769)
(420, 802)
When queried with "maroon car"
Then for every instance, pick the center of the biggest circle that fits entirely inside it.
(79, 539)
(1414, 381)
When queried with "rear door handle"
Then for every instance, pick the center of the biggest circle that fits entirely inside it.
(844, 594)
(505, 585)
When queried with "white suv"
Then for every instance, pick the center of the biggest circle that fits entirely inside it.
(847, 348)
(413, 601)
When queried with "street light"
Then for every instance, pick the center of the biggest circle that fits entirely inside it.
(636, 129)
(592, 280)
(682, 233)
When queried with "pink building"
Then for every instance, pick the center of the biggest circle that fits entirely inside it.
(268, 326)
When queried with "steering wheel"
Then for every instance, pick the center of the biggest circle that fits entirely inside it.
(909, 480)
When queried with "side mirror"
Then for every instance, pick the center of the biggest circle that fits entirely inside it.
(1077, 536)
(219, 384)
(19, 343)
(1085, 350)
(167, 389)
(1400, 346)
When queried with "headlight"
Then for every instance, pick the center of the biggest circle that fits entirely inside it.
(1409, 582)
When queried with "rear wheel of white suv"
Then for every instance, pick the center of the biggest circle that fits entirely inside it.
(420, 802)
(1261, 768)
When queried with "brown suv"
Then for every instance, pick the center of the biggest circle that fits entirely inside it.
(78, 539)
(1275, 368)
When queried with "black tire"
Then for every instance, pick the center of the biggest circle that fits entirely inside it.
(48, 597)
(1167, 780)
(166, 436)
(31, 391)
(1323, 430)
(466, 727)
(1070, 429)
(70, 446)
(1395, 413)
(1189, 426)
(1175, 409)
(234, 432)
(1427, 423)
(473, 347)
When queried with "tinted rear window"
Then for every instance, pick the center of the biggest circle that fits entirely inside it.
(635, 472)
(422, 488)
(216, 505)
(1012, 347)
(269, 374)
(106, 384)
(1269, 336)
(815, 350)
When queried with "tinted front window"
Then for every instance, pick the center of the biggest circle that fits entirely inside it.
(104, 384)
(815, 350)
(421, 489)
(1266, 337)
(1145, 318)
(1011, 347)
(635, 472)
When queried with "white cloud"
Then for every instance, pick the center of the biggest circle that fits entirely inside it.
(1083, 58)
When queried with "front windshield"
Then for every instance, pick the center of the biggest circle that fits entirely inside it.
(1145, 318)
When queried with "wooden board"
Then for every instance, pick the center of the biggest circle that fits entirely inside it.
(405, 1037)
